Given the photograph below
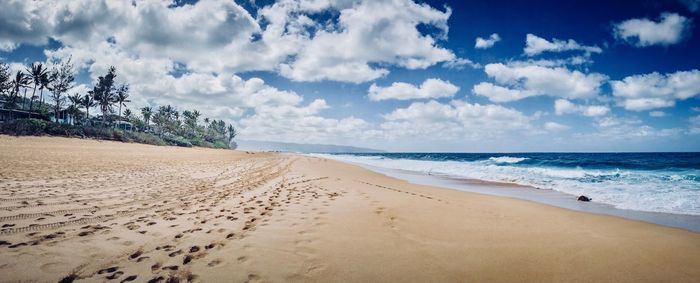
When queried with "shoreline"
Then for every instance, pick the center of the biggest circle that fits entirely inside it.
(559, 199)
(98, 210)
(555, 198)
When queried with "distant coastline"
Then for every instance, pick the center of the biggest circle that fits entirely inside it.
(301, 148)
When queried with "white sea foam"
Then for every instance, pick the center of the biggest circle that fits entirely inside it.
(656, 191)
(507, 159)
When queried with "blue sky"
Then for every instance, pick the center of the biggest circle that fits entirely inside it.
(395, 75)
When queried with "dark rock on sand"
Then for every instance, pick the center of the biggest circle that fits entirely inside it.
(584, 198)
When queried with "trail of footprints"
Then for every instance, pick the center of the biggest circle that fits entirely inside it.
(251, 210)
(401, 191)
(215, 208)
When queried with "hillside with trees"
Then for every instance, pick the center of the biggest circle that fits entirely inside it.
(39, 101)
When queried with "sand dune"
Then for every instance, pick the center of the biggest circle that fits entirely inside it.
(107, 211)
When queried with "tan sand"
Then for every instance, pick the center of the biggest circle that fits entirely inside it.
(109, 211)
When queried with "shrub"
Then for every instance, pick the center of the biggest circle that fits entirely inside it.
(24, 127)
(102, 133)
(35, 127)
(56, 129)
(177, 140)
(147, 138)
(119, 135)
(219, 144)
(197, 141)
(76, 132)
(206, 144)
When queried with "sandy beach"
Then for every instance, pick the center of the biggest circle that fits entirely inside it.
(99, 211)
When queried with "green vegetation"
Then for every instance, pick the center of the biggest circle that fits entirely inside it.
(69, 114)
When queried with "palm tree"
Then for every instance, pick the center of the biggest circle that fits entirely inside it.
(191, 122)
(104, 93)
(88, 102)
(76, 101)
(45, 85)
(20, 81)
(147, 112)
(121, 97)
(38, 75)
(127, 113)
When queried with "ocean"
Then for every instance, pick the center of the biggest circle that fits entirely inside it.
(650, 182)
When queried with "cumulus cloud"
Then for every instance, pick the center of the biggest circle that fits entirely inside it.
(563, 106)
(460, 63)
(258, 109)
(553, 126)
(485, 43)
(189, 54)
(658, 114)
(694, 125)
(616, 128)
(535, 45)
(570, 61)
(521, 79)
(350, 50)
(430, 88)
(456, 120)
(670, 28)
(654, 90)
(210, 36)
(499, 94)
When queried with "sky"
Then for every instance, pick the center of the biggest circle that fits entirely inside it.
(395, 75)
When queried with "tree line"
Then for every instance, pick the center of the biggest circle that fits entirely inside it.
(23, 92)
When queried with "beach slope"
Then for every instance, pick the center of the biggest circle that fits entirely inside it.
(88, 210)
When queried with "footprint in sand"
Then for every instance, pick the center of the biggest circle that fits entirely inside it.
(155, 267)
(115, 275)
(175, 253)
(136, 254)
(214, 263)
(108, 270)
(171, 267)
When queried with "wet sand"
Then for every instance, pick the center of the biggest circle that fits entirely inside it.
(117, 212)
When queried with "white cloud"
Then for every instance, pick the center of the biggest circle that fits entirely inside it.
(671, 28)
(654, 90)
(460, 63)
(457, 120)
(563, 106)
(304, 124)
(258, 109)
(211, 36)
(694, 125)
(188, 55)
(523, 80)
(500, 94)
(20, 22)
(553, 126)
(571, 61)
(658, 114)
(535, 45)
(430, 88)
(369, 33)
(485, 43)
(615, 129)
